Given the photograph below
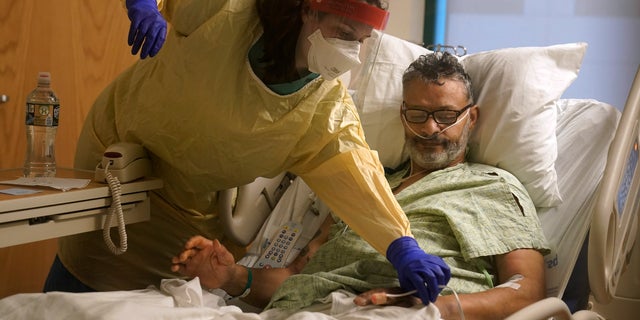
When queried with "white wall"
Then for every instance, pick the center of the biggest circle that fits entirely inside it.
(406, 19)
(610, 27)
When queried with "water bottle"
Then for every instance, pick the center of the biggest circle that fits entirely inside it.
(43, 111)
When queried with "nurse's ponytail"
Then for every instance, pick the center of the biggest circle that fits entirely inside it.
(281, 21)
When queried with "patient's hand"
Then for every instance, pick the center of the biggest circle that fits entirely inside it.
(379, 297)
(206, 259)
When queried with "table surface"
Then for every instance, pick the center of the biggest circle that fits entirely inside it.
(50, 196)
(52, 213)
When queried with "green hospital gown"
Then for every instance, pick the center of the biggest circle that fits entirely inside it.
(465, 214)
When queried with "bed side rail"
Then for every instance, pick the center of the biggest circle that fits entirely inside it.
(553, 308)
(615, 221)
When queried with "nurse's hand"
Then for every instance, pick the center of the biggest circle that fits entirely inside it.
(148, 28)
(206, 259)
(417, 270)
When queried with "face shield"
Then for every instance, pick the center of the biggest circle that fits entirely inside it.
(376, 88)
(355, 10)
(343, 27)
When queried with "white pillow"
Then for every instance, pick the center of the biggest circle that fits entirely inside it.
(515, 90)
(378, 94)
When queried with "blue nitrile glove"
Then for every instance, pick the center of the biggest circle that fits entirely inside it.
(147, 26)
(418, 270)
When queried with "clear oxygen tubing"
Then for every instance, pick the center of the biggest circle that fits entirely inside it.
(408, 125)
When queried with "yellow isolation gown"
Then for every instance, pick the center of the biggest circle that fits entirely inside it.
(209, 124)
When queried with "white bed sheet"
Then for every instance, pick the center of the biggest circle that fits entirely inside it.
(585, 129)
(179, 299)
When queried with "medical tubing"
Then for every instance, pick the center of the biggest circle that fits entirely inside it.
(383, 296)
(116, 206)
(437, 133)
(417, 269)
(455, 294)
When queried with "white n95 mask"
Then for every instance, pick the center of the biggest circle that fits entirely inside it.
(332, 57)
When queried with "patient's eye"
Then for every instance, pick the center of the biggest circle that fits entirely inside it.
(440, 116)
(416, 115)
(445, 116)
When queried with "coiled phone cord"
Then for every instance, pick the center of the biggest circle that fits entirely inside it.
(116, 207)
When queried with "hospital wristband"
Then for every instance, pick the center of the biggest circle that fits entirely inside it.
(247, 288)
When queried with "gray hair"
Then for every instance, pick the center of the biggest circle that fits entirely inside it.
(433, 67)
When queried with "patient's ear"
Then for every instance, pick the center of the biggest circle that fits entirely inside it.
(474, 113)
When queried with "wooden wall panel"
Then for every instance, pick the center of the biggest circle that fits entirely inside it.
(83, 44)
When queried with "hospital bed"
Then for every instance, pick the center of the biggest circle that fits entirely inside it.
(577, 158)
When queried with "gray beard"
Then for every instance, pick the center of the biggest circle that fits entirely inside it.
(439, 160)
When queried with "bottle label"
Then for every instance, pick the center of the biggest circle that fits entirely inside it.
(44, 115)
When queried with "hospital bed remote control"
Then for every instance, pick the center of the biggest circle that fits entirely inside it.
(281, 244)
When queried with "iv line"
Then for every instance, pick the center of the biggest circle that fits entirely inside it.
(382, 297)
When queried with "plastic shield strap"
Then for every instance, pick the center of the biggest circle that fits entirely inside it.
(357, 10)
(376, 88)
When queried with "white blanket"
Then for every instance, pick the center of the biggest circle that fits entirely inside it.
(179, 299)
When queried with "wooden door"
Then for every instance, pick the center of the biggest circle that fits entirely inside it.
(83, 44)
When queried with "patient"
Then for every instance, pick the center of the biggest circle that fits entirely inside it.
(478, 218)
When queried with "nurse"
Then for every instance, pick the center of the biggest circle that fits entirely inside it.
(240, 89)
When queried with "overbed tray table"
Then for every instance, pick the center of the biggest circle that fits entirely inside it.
(53, 213)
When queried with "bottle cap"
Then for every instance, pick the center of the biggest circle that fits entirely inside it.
(44, 78)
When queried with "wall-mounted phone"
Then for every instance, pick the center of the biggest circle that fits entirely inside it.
(126, 161)
(122, 162)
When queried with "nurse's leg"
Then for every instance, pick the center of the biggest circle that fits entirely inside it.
(60, 279)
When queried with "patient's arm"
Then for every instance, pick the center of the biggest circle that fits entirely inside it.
(496, 303)
(209, 260)
(215, 266)
(266, 281)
